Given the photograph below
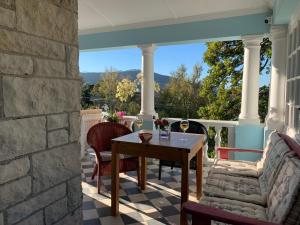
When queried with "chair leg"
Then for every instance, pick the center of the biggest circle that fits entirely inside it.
(99, 181)
(95, 171)
(159, 170)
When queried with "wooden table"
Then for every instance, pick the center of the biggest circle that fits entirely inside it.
(174, 149)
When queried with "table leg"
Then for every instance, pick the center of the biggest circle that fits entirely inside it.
(199, 173)
(185, 166)
(143, 173)
(115, 181)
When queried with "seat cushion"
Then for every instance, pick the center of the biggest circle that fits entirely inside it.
(245, 189)
(105, 155)
(235, 168)
(284, 193)
(236, 207)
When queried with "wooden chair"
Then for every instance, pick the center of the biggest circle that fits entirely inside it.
(194, 128)
(99, 138)
(282, 199)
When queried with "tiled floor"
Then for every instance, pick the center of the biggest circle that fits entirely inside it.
(158, 204)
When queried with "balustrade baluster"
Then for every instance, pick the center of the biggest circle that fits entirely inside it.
(217, 139)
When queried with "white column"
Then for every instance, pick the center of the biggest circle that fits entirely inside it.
(275, 116)
(250, 87)
(147, 93)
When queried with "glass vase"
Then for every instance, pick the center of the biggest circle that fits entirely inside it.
(164, 133)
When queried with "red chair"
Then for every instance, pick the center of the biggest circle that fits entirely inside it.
(99, 138)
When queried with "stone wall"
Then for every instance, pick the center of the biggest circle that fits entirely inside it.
(39, 113)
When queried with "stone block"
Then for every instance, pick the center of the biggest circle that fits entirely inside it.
(57, 121)
(22, 210)
(14, 169)
(50, 68)
(72, 54)
(1, 99)
(58, 137)
(45, 96)
(15, 64)
(7, 3)
(33, 17)
(15, 191)
(54, 166)
(26, 44)
(1, 219)
(35, 219)
(56, 211)
(74, 193)
(74, 218)
(68, 4)
(74, 126)
(22, 136)
(7, 18)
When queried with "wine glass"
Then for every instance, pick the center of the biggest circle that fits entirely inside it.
(184, 125)
(139, 122)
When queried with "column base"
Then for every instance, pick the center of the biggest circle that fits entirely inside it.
(249, 121)
(148, 115)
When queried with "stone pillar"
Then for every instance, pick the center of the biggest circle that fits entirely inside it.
(147, 92)
(250, 88)
(40, 179)
(275, 116)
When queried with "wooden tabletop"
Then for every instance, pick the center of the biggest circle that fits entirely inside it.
(175, 140)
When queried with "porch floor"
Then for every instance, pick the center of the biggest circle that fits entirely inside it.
(158, 204)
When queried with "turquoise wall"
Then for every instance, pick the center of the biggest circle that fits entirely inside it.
(283, 10)
(218, 29)
(249, 137)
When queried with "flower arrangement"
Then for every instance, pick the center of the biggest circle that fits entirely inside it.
(116, 117)
(162, 124)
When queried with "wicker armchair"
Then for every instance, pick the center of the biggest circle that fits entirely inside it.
(99, 138)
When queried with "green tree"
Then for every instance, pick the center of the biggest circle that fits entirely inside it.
(180, 97)
(86, 95)
(222, 87)
(106, 87)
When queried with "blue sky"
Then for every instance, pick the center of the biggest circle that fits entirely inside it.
(166, 59)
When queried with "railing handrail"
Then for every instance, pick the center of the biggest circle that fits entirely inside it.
(223, 123)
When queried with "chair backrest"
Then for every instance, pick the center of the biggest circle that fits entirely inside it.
(194, 128)
(100, 135)
(284, 198)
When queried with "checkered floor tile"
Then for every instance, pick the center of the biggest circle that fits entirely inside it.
(158, 204)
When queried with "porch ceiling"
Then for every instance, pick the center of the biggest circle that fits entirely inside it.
(123, 23)
(113, 15)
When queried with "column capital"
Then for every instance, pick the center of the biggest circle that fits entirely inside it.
(252, 40)
(278, 32)
(147, 48)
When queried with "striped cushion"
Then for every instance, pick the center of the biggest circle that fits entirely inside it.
(236, 207)
(284, 192)
(245, 189)
(235, 168)
(273, 162)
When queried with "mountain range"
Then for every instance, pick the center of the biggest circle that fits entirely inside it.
(93, 77)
